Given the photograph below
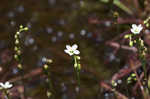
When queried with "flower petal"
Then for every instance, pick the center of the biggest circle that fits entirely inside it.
(134, 26)
(76, 52)
(68, 52)
(74, 46)
(68, 47)
(1, 84)
(140, 27)
(132, 30)
(9, 86)
(7, 83)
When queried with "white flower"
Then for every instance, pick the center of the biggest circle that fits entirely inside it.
(5, 85)
(136, 29)
(72, 50)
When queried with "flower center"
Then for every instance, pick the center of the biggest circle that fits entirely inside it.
(136, 30)
(71, 51)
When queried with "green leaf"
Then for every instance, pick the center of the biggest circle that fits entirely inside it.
(119, 4)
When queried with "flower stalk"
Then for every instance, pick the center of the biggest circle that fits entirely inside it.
(50, 91)
(4, 87)
(18, 52)
(77, 67)
(72, 51)
(142, 49)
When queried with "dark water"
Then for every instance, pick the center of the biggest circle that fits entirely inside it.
(53, 24)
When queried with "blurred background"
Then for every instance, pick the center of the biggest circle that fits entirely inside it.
(52, 25)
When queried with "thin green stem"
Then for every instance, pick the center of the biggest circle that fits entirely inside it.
(77, 69)
(6, 94)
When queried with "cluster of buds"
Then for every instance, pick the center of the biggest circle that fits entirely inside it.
(46, 63)
(142, 49)
(146, 22)
(17, 47)
(131, 78)
(136, 29)
(77, 64)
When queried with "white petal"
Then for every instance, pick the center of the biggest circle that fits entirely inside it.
(7, 83)
(74, 47)
(134, 26)
(140, 27)
(1, 84)
(68, 52)
(132, 30)
(135, 32)
(9, 86)
(68, 47)
(76, 52)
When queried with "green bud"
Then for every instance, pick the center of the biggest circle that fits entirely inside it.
(114, 84)
(134, 79)
(21, 26)
(18, 52)
(128, 81)
(126, 36)
(78, 57)
(145, 21)
(16, 36)
(129, 78)
(45, 66)
(147, 25)
(18, 33)
(134, 41)
(75, 65)
(17, 42)
(19, 66)
(16, 56)
(133, 75)
(116, 14)
(49, 61)
(49, 94)
(16, 48)
(26, 28)
(131, 43)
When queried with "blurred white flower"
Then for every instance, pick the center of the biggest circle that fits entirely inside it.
(136, 29)
(72, 50)
(5, 85)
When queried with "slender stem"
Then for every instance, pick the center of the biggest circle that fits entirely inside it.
(50, 90)
(76, 66)
(6, 94)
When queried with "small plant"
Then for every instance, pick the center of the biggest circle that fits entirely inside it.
(18, 52)
(4, 87)
(72, 51)
(17, 47)
(136, 40)
(49, 85)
